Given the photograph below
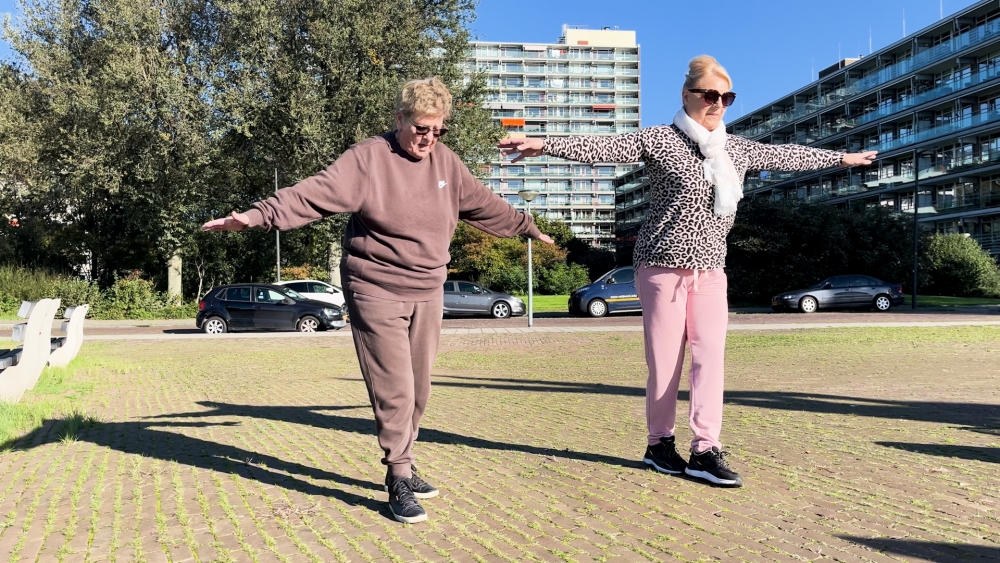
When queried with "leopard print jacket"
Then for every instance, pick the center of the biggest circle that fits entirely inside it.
(681, 229)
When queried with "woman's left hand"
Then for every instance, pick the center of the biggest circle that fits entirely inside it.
(858, 159)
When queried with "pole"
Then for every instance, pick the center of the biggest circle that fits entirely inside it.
(916, 227)
(277, 233)
(531, 320)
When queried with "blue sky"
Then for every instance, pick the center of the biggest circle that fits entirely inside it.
(770, 48)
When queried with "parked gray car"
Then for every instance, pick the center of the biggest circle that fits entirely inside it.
(841, 292)
(467, 298)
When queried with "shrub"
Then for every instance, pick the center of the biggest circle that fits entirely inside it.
(305, 272)
(957, 266)
(561, 279)
(131, 297)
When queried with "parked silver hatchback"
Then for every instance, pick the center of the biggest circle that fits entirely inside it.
(467, 298)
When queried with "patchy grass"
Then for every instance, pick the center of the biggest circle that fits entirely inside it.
(547, 303)
(58, 393)
(943, 301)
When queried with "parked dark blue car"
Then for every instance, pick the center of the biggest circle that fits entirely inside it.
(614, 292)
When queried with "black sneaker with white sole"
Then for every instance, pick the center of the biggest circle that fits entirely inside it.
(711, 465)
(664, 458)
(402, 503)
(420, 488)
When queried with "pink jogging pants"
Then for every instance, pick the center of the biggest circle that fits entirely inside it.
(684, 307)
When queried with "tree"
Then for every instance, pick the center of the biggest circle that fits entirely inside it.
(128, 123)
(956, 265)
(777, 246)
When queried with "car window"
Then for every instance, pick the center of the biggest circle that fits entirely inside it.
(449, 286)
(297, 286)
(624, 276)
(265, 295)
(320, 288)
(466, 287)
(841, 282)
(861, 281)
(238, 294)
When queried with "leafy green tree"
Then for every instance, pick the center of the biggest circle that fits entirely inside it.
(956, 265)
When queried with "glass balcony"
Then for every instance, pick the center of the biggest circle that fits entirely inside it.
(941, 130)
(937, 53)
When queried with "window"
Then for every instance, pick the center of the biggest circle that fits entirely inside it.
(606, 200)
(449, 287)
(265, 295)
(301, 287)
(238, 294)
(840, 283)
(624, 276)
(466, 287)
(322, 288)
(861, 281)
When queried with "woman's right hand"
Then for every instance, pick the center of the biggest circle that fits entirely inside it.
(235, 222)
(521, 147)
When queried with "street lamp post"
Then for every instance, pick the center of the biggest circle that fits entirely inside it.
(527, 196)
(277, 233)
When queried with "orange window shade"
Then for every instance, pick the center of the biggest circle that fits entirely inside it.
(603, 106)
(512, 121)
(583, 42)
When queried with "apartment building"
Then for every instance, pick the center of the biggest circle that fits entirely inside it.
(587, 83)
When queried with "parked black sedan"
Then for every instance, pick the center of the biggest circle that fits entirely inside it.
(264, 307)
(841, 292)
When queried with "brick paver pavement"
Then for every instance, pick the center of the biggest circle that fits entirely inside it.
(856, 445)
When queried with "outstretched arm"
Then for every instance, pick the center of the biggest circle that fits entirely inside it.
(341, 188)
(790, 158)
(488, 212)
(590, 148)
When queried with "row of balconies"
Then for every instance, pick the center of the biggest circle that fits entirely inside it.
(913, 138)
(556, 98)
(564, 113)
(541, 72)
(554, 85)
(574, 128)
(976, 36)
(845, 123)
(559, 54)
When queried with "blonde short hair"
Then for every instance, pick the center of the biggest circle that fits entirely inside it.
(701, 66)
(429, 96)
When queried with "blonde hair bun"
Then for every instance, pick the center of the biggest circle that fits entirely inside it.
(700, 67)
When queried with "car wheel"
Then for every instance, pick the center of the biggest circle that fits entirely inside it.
(307, 323)
(597, 308)
(808, 304)
(214, 325)
(500, 310)
(882, 303)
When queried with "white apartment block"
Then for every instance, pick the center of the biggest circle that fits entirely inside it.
(585, 84)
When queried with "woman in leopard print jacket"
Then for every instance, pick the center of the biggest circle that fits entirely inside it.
(696, 174)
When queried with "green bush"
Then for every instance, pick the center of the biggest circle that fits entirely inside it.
(957, 266)
(130, 297)
(561, 279)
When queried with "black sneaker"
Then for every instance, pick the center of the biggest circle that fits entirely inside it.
(664, 458)
(711, 466)
(402, 503)
(420, 488)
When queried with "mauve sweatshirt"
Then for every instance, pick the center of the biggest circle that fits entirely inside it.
(403, 214)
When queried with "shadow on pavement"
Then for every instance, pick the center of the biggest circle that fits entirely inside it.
(976, 453)
(153, 440)
(965, 414)
(932, 551)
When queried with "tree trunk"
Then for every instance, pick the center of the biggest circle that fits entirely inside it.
(174, 277)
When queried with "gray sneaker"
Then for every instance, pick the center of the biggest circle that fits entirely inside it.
(421, 489)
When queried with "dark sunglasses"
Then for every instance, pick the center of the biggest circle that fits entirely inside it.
(423, 130)
(712, 96)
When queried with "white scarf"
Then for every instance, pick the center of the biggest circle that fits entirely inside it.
(719, 169)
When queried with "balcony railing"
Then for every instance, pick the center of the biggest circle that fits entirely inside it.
(957, 125)
(937, 53)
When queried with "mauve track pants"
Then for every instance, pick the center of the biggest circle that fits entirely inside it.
(396, 342)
